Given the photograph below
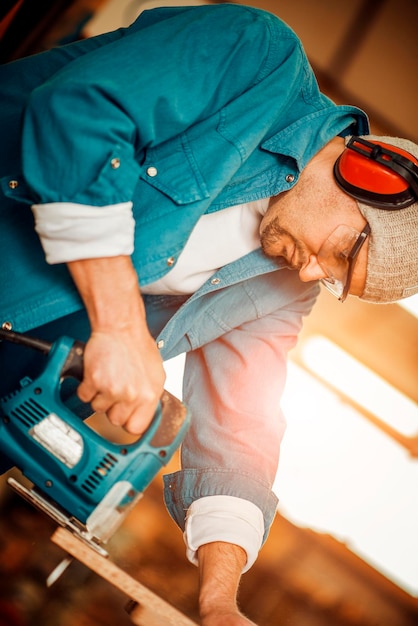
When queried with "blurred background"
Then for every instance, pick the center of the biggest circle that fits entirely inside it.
(343, 550)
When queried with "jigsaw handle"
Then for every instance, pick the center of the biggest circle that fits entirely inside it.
(74, 364)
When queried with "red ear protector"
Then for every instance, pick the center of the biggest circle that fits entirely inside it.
(378, 174)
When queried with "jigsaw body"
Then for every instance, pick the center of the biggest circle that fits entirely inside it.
(81, 479)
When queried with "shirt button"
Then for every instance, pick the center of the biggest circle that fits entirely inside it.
(215, 281)
(170, 261)
(152, 171)
(290, 178)
(13, 184)
(115, 163)
(160, 344)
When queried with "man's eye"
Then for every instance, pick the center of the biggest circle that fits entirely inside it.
(342, 255)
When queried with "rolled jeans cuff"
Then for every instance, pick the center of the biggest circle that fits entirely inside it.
(226, 519)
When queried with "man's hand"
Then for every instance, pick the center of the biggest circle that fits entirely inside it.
(123, 377)
(123, 370)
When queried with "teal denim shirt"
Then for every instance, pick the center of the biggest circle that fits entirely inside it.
(236, 332)
(221, 103)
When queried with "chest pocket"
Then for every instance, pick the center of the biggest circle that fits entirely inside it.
(171, 169)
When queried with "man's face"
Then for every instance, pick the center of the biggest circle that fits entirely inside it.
(301, 226)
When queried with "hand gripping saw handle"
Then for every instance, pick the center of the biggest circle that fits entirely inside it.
(81, 479)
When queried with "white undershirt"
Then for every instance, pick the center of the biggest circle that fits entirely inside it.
(217, 239)
(69, 232)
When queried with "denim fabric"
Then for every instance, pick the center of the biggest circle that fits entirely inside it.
(223, 115)
(187, 111)
(237, 338)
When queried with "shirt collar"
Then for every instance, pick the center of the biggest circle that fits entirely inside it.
(301, 145)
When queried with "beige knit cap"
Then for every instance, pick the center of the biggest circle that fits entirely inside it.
(392, 266)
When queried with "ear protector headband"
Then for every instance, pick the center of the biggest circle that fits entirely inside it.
(377, 174)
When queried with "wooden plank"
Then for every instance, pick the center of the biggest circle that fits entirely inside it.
(150, 610)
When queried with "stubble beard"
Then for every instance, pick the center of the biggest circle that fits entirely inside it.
(273, 243)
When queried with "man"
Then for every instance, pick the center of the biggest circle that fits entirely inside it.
(154, 159)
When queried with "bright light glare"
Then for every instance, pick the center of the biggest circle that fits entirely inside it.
(410, 305)
(174, 371)
(356, 381)
(341, 475)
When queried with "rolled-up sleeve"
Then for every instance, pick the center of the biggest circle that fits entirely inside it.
(71, 231)
(233, 387)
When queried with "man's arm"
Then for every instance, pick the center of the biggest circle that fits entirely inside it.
(120, 343)
(220, 567)
(232, 386)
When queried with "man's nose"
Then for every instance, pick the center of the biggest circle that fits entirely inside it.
(312, 270)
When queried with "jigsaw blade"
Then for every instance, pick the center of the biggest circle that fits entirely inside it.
(58, 571)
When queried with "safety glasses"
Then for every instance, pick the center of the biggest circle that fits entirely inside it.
(337, 258)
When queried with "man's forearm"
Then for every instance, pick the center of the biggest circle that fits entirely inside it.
(123, 370)
(110, 291)
(220, 568)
